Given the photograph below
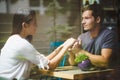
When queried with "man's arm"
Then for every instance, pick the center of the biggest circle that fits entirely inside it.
(99, 60)
(71, 58)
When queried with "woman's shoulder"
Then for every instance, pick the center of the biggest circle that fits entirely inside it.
(18, 40)
(14, 37)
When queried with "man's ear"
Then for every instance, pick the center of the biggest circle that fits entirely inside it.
(98, 19)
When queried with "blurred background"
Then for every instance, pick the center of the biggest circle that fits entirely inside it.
(57, 20)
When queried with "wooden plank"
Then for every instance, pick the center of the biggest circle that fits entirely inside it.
(73, 72)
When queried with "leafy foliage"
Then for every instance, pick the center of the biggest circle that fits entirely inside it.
(81, 57)
(60, 32)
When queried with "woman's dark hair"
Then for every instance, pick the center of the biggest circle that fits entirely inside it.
(23, 15)
(97, 11)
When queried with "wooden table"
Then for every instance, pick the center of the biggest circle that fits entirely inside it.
(74, 73)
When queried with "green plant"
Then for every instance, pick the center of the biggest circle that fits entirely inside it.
(84, 63)
(2, 41)
(60, 32)
(81, 57)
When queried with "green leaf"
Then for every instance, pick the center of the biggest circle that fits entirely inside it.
(81, 57)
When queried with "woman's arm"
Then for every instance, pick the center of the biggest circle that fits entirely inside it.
(51, 61)
(55, 52)
(60, 51)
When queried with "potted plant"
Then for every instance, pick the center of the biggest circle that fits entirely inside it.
(83, 62)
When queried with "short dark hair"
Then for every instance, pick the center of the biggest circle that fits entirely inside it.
(22, 15)
(97, 11)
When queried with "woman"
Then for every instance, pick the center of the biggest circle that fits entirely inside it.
(18, 54)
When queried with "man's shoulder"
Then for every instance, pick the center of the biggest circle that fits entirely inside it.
(84, 35)
(108, 31)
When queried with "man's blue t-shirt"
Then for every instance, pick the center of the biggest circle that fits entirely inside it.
(105, 39)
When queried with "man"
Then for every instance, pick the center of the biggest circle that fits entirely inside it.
(98, 43)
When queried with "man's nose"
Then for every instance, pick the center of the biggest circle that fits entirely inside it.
(83, 21)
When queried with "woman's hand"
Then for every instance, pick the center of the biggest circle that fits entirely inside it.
(69, 42)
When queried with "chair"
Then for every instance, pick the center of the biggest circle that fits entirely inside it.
(54, 45)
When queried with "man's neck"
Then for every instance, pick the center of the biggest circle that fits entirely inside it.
(95, 32)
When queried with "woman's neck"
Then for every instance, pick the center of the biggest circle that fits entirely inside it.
(22, 35)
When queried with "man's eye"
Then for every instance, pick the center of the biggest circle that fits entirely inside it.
(87, 18)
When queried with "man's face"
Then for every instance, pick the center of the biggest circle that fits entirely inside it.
(88, 20)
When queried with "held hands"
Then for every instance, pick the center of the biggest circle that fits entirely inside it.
(73, 45)
(76, 47)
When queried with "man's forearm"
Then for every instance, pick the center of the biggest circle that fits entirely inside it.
(71, 58)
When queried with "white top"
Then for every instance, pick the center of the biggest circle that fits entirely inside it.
(17, 56)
